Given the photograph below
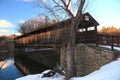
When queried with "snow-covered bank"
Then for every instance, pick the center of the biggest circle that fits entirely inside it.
(109, 71)
(57, 76)
(116, 48)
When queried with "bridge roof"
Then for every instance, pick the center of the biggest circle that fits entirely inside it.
(87, 21)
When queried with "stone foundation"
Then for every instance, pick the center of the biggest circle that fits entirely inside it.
(88, 59)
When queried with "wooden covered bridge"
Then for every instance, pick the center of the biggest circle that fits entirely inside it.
(56, 35)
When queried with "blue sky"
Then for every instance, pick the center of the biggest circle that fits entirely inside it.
(106, 12)
(14, 11)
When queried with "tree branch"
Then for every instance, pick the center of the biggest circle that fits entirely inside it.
(66, 8)
(50, 10)
(80, 8)
(79, 13)
(68, 2)
(58, 5)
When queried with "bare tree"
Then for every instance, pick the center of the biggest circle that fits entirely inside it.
(35, 24)
(32, 24)
(71, 41)
(70, 9)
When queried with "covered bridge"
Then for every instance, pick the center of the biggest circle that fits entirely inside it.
(56, 35)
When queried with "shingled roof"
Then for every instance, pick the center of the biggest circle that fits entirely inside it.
(88, 21)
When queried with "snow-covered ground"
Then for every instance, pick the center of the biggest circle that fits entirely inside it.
(109, 71)
(57, 76)
(117, 48)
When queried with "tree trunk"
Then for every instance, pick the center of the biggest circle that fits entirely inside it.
(70, 51)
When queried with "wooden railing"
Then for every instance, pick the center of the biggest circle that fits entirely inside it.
(52, 36)
(110, 40)
(98, 39)
(86, 37)
(58, 37)
(55, 37)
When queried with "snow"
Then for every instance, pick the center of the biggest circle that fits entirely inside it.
(57, 76)
(109, 71)
(117, 48)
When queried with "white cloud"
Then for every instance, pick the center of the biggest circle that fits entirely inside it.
(5, 24)
(34, 0)
(21, 21)
(44, 0)
(18, 34)
(28, 0)
(4, 31)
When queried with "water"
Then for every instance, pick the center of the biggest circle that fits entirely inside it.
(9, 71)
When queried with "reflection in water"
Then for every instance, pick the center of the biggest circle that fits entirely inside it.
(6, 63)
(8, 70)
